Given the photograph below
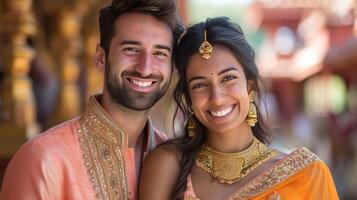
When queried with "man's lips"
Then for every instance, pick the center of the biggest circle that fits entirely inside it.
(140, 84)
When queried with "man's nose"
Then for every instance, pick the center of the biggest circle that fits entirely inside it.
(144, 65)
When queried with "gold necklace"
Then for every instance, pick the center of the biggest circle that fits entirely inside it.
(231, 167)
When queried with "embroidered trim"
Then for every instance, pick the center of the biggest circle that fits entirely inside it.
(287, 167)
(101, 141)
(189, 193)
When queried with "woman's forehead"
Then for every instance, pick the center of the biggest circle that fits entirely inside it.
(221, 58)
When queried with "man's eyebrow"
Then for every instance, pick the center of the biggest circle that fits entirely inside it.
(159, 46)
(227, 70)
(133, 42)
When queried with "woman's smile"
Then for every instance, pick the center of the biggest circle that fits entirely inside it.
(223, 112)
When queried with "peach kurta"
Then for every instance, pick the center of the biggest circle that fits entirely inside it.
(301, 175)
(84, 158)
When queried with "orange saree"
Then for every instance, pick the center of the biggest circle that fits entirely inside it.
(301, 175)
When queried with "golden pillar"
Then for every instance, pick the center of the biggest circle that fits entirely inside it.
(66, 47)
(17, 104)
(94, 79)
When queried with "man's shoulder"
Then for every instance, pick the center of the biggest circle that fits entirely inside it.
(63, 130)
(64, 126)
(61, 135)
(49, 160)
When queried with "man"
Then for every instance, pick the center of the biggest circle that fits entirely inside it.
(98, 155)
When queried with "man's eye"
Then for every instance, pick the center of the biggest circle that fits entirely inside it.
(161, 54)
(228, 78)
(131, 50)
(198, 85)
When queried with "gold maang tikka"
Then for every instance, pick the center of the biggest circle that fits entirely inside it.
(205, 48)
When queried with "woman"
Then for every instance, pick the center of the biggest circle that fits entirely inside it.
(222, 154)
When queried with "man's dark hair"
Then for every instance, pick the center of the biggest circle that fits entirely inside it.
(163, 10)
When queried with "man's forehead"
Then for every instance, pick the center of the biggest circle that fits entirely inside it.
(142, 26)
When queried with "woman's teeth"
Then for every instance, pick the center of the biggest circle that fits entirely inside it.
(223, 112)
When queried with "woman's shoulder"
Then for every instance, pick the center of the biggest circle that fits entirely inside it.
(167, 152)
(160, 170)
(296, 160)
(165, 159)
(299, 161)
(303, 155)
(299, 166)
(305, 168)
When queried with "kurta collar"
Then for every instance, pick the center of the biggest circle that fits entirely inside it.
(106, 128)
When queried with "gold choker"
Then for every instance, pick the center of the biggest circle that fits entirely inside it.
(231, 167)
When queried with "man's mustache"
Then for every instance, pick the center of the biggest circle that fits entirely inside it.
(138, 75)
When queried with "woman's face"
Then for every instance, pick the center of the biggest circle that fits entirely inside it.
(218, 90)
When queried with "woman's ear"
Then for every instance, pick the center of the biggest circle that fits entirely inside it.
(99, 58)
(250, 85)
(188, 100)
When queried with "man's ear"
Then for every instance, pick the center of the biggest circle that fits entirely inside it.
(99, 58)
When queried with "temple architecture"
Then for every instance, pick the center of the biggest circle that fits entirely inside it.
(47, 66)
(308, 55)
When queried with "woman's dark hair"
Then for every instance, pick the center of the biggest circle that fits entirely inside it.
(219, 31)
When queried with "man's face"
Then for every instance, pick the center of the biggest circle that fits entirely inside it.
(138, 66)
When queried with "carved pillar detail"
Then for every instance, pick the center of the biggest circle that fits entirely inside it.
(17, 104)
(66, 44)
(94, 79)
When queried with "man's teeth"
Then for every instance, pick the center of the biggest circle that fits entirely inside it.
(222, 113)
(141, 83)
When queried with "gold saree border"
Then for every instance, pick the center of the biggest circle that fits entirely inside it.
(101, 141)
(284, 169)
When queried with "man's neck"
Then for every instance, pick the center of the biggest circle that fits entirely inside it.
(130, 121)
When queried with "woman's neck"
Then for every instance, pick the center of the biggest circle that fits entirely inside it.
(231, 141)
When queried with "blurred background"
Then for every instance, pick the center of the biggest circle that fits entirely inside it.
(306, 51)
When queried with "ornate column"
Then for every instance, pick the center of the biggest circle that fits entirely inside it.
(66, 47)
(17, 105)
(94, 79)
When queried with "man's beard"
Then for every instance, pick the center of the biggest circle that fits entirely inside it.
(128, 98)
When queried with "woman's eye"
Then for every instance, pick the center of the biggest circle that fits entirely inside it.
(228, 78)
(198, 85)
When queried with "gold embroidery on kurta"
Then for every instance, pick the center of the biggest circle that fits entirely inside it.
(287, 167)
(101, 142)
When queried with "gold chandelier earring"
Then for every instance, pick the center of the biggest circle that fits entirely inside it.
(191, 124)
(252, 117)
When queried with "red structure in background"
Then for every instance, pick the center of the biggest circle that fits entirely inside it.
(304, 40)
(315, 33)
